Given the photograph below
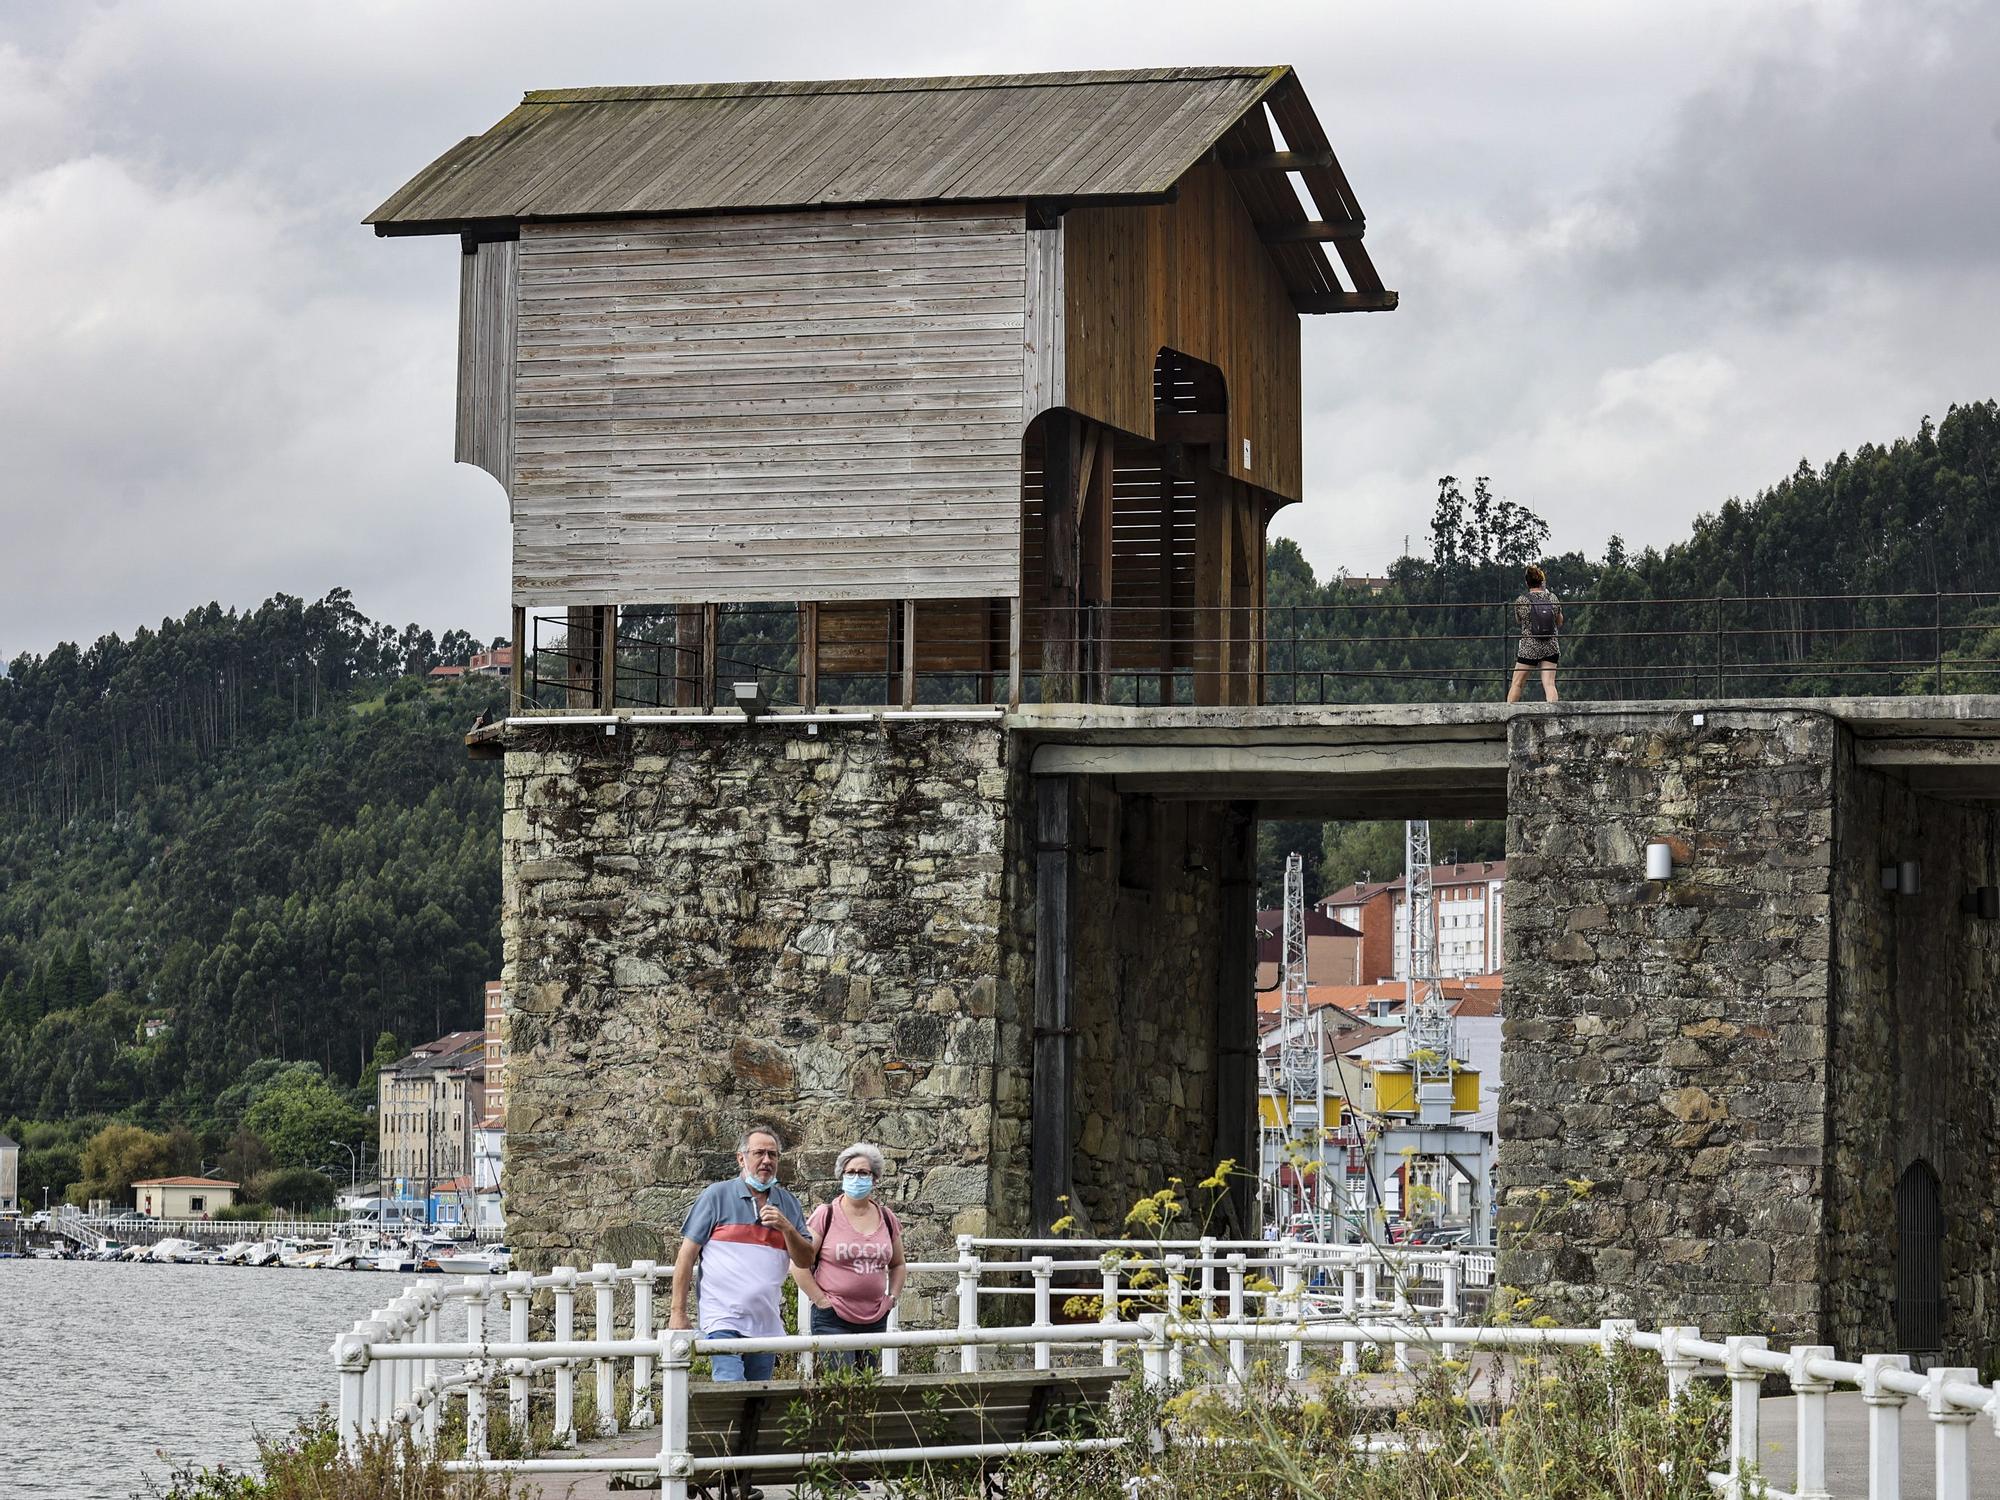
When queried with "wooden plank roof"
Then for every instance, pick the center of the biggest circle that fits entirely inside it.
(1056, 138)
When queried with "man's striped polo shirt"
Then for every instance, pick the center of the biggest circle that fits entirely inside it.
(742, 1266)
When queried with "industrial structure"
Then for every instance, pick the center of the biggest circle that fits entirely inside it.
(888, 466)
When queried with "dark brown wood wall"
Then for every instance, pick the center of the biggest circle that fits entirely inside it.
(1190, 275)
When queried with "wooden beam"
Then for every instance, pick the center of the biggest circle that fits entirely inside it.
(710, 618)
(1319, 230)
(688, 656)
(1279, 161)
(518, 667)
(909, 653)
(809, 656)
(1211, 583)
(1192, 428)
(1014, 652)
(607, 657)
(1340, 302)
(580, 647)
(1061, 554)
(1165, 644)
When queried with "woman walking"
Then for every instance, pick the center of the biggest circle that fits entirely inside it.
(857, 1266)
(1538, 616)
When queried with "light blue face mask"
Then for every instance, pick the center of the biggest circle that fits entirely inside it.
(761, 1184)
(856, 1184)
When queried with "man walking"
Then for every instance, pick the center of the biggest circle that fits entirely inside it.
(745, 1232)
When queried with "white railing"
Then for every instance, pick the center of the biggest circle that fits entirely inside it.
(132, 1231)
(398, 1368)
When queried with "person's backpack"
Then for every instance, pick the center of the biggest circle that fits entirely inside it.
(1541, 615)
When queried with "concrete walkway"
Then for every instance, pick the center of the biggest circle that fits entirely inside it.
(1847, 1448)
(1846, 1454)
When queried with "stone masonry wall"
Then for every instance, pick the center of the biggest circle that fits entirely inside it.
(1663, 1128)
(1149, 910)
(710, 925)
(1916, 1075)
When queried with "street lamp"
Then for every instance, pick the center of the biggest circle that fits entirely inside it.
(353, 1167)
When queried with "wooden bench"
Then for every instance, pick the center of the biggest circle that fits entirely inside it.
(891, 1411)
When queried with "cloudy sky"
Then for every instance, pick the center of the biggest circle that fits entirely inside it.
(1650, 256)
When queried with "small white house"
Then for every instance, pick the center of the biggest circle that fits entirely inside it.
(182, 1197)
(10, 1176)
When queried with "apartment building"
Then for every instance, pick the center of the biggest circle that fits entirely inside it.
(1468, 910)
(429, 1106)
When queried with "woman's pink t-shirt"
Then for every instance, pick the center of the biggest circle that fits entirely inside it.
(852, 1268)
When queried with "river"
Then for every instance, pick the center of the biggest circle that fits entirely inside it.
(113, 1374)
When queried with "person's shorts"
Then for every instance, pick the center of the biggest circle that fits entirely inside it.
(1546, 661)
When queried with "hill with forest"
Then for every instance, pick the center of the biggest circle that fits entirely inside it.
(243, 847)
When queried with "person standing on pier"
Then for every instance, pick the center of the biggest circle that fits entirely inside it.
(1538, 614)
(746, 1234)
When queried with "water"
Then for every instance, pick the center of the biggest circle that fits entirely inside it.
(104, 1368)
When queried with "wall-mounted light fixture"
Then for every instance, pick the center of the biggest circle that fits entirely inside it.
(1659, 860)
(1983, 902)
(750, 698)
(1906, 878)
(1891, 877)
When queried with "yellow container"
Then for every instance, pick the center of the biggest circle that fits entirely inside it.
(1396, 1091)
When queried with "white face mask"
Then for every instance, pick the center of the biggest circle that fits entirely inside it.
(857, 1185)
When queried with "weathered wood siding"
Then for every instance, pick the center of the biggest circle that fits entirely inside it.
(486, 359)
(1191, 275)
(810, 406)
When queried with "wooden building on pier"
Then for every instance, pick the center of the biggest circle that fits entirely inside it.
(894, 389)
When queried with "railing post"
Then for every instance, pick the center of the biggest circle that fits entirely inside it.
(807, 1364)
(644, 1273)
(350, 1359)
(1809, 1394)
(968, 1310)
(371, 1382)
(1109, 1305)
(1885, 1425)
(892, 1357)
(1044, 1268)
(676, 1372)
(475, 1390)
(1450, 1303)
(564, 1435)
(1680, 1367)
(1399, 1310)
(1176, 1301)
(1239, 1367)
(607, 1328)
(432, 1333)
(1292, 1291)
(1153, 1352)
(1745, 1385)
(1951, 1433)
(1350, 1351)
(520, 1291)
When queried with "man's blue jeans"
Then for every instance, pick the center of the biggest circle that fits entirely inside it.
(739, 1366)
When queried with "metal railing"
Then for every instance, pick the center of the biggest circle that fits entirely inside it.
(1366, 651)
(1205, 1310)
(92, 1230)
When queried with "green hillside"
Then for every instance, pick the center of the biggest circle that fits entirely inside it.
(261, 829)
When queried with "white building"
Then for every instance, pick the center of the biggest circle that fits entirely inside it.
(1468, 906)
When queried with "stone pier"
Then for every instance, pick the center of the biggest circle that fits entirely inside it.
(1015, 950)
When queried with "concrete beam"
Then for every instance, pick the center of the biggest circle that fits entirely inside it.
(1391, 763)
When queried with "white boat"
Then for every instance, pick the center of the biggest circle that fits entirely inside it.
(306, 1255)
(263, 1253)
(396, 1257)
(172, 1250)
(488, 1260)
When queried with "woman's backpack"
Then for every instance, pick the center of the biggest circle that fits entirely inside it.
(1542, 613)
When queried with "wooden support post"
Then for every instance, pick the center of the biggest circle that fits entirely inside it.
(688, 656)
(1244, 623)
(1096, 508)
(1049, 1141)
(580, 649)
(711, 616)
(517, 668)
(1014, 610)
(808, 656)
(909, 695)
(1212, 533)
(1061, 554)
(607, 658)
(1236, 1005)
(1165, 645)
